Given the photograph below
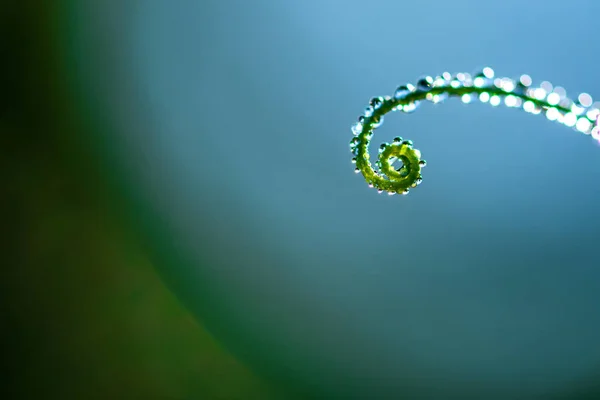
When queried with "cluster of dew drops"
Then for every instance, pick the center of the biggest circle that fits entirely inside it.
(581, 114)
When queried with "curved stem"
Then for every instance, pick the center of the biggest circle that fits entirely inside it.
(581, 115)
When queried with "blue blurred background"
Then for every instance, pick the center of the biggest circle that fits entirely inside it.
(222, 130)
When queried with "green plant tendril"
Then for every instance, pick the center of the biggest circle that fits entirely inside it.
(579, 114)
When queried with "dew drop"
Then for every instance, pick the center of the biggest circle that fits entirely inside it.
(479, 80)
(560, 91)
(425, 84)
(547, 86)
(570, 119)
(376, 102)
(553, 99)
(488, 72)
(539, 93)
(585, 99)
(552, 114)
(584, 125)
(510, 101)
(525, 80)
(403, 91)
(377, 121)
(577, 108)
(438, 98)
(411, 107)
(565, 102)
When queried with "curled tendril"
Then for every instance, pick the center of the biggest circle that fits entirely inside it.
(578, 114)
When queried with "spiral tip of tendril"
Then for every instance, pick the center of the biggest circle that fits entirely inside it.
(399, 163)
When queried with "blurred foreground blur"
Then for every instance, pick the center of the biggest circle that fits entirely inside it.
(84, 314)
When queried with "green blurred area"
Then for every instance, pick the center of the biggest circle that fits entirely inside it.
(85, 315)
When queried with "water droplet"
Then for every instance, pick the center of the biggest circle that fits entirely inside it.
(354, 142)
(552, 114)
(570, 119)
(438, 98)
(593, 113)
(584, 125)
(525, 80)
(368, 111)
(479, 79)
(423, 163)
(566, 103)
(508, 85)
(356, 170)
(377, 121)
(539, 93)
(511, 101)
(357, 128)
(488, 72)
(547, 86)
(553, 99)
(577, 108)
(403, 91)
(425, 84)
(397, 139)
(411, 107)
(560, 91)
(382, 147)
(376, 102)
(585, 99)
(353, 160)
(439, 81)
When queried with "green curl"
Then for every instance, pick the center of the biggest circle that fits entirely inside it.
(579, 114)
